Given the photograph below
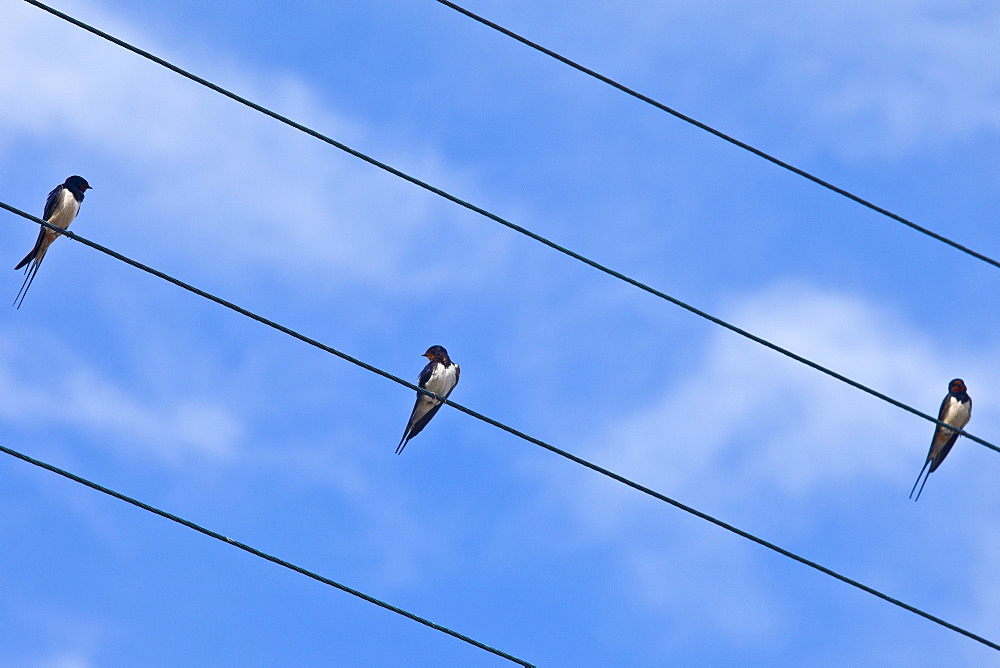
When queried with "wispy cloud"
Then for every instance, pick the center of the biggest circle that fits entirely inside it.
(744, 423)
(72, 393)
(778, 425)
(395, 541)
(858, 79)
(202, 438)
(220, 183)
(62, 636)
(690, 571)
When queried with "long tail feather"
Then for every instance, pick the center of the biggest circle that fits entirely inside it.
(921, 474)
(29, 276)
(35, 250)
(27, 258)
(922, 487)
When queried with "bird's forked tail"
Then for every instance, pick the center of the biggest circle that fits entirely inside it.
(918, 480)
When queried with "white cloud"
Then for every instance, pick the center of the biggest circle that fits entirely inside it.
(774, 424)
(396, 541)
(985, 590)
(911, 74)
(744, 423)
(205, 439)
(61, 636)
(857, 78)
(688, 571)
(172, 430)
(219, 182)
(68, 660)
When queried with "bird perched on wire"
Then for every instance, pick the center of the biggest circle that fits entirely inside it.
(956, 409)
(61, 207)
(440, 376)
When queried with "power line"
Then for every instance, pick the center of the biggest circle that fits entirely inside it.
(500, 425)
(718, 133)
(258, 553)
(494, 217)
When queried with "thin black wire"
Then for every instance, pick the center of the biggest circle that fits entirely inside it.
(502, 221)
(258, 553)
(531, 439)
(718, 133)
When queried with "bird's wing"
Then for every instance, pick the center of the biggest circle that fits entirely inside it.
(943, 452)
(943, 411)
(33, 253)
(944, 439)
(425, 374)
(52, 201)
(423, 409)
(941, 434)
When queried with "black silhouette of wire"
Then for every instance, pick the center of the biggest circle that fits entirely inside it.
(258, 553)
(500, 425)
(494, 217)
(718, 133)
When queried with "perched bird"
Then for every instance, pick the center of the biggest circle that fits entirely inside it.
(956, 409)
(61, 208)
(440, 376)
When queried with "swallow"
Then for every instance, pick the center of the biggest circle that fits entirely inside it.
(956, 409)
(440, 376)
(61, 207)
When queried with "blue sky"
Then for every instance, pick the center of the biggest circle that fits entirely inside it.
(128, 381)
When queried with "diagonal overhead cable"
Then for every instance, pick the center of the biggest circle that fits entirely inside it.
(258, 553)
(492, 216)
(520, 434)
(718, 133)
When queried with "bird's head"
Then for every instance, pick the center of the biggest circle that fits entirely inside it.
(957, 386)
(77, 183)
(437, 353)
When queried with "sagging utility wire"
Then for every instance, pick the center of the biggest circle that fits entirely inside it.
(258, 553)
(531, 439)
(718, 133)
(494, 217)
